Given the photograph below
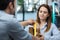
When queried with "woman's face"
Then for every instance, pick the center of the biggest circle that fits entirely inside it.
(43, 13)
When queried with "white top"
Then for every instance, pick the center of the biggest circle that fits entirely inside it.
(52, 34)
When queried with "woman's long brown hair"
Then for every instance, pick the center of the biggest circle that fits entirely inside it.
(48, 20)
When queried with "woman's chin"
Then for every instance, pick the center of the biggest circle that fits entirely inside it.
(41, 18)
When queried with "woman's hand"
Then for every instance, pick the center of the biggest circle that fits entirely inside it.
(42, 37)
(35, 38)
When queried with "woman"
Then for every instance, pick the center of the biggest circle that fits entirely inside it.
(47, 29)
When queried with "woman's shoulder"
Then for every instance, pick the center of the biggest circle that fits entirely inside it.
(54, 28)
(52, 24)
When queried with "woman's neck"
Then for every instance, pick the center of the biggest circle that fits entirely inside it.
(43, 21)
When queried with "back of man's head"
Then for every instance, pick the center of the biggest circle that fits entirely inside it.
(4, 4)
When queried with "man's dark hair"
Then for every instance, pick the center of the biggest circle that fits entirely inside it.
(5, 3)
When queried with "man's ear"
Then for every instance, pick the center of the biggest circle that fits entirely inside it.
(10, 5)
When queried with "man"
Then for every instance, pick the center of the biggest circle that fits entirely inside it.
(9, 26)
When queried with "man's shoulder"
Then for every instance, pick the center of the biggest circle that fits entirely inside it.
(8, 19)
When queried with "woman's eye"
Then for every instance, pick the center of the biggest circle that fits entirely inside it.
(40, 11)
(45, 12)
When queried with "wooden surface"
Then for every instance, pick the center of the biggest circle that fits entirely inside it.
(31, 30)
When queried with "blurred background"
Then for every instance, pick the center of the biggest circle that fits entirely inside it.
(27, 9)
